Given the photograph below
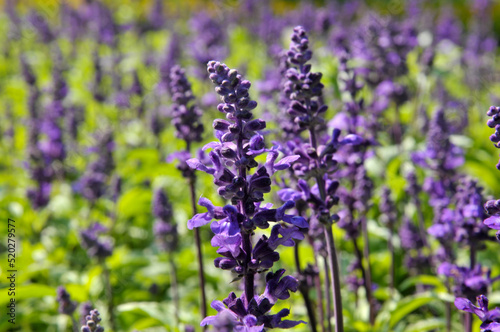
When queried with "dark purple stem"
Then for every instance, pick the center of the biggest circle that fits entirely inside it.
(327, 294)
(366, 252)
(317, 285)
(468, 316)
(332, 253)
(197, 239)
(359, 255)
(246, 235)
(304, 290)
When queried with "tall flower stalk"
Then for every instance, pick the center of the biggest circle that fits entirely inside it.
(67, 306)
(242, 181)
(186, 119)
(167, 237)
(100, 250)
(304, 89)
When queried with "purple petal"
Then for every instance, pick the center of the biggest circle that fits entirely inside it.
(296, 220)
(180, 155)
(289, 195)
(198, 165)
(439, 230)
(493, 222)
(211, 145)
(218, 305)
(352, 139)
(205, 202)
(285, 163)
(467, 306)
(201, 219)
(492, 327)
(446, 269)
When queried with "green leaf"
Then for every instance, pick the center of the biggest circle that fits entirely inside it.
(427, 325)
(151, 309)
(408, 305)
(423, 280)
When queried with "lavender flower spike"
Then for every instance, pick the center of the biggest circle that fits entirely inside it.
(66, 306)
(233, 159)
(92, 324)
(187, 121)
(94, 246)
(186, 117)
(164, 230)
(494, 122)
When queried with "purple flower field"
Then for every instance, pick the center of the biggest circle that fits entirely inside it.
(250, 165)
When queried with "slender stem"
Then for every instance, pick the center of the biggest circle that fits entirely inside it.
(159, 147)
(317, 285)
(472, 256)
(468, 322)
(448, 308)
(249, 277)
(304, 289)
(421, 222)
(297, 257)
(366, 251)
(114, 216)
(390, 246)
(109, 296)
(249, 281)
(359, 256)
(327, 294)
(397, 128)
(332, 253)
(197, 239)
(468, 316)
(366, 275)
(334, 271)
(173, 286)
(74, 324)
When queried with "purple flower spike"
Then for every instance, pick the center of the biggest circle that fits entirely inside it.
(303, 87)
(66, 306)
(164, 230)
(493, 222)
(92, 322)
(244, 182)
(96, 247)
(186, 116)
(494, 122)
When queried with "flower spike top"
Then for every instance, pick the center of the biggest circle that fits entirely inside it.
(186, 117)
(494, 122)
(303, 87)
(92, 322)
(233, 90)
(66, 305)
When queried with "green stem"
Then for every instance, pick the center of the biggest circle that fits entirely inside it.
(109, 296)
